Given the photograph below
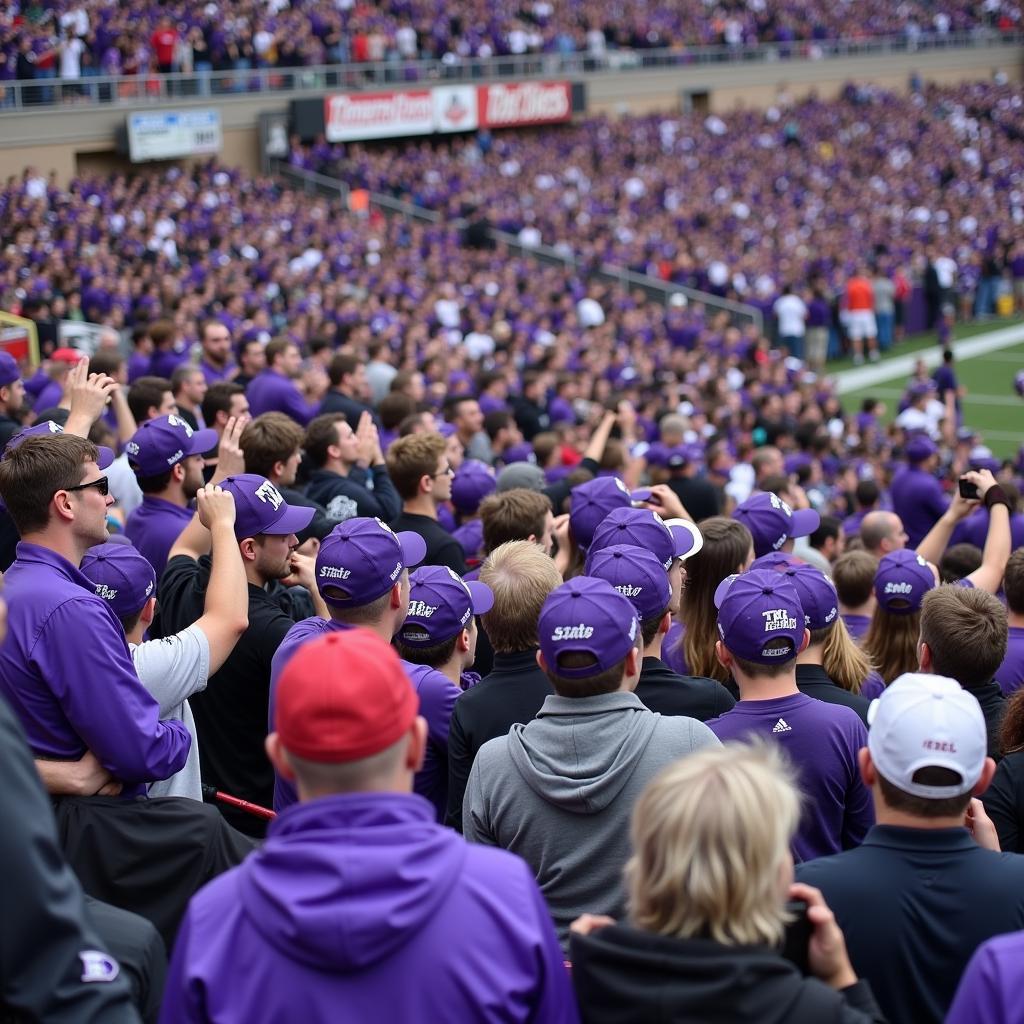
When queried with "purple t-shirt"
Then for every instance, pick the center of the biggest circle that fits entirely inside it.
(1010, 675)
(822, 741)
(856, 625)
(672, 653)
(154, 527)
(990, 988)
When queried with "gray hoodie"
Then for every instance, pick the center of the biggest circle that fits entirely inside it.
(559, 792)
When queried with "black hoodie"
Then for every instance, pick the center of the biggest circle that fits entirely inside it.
(626, 976)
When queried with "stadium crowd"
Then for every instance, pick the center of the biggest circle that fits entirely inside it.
(75, 39)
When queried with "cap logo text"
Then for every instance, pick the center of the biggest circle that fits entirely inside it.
(269, 495)
(580, 632)
(776, 619)
(421, 609)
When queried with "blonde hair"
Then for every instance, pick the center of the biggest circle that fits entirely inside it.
(521, 576)
(711, 834)
(843, 661)
(891, 643)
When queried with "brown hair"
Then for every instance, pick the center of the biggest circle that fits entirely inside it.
(161, 332)
(277, 347)
(1011, 732)
(411, 458)
(145, 394)
(33, 472)
(218, 399)
(341, 366)
(321, 434)
(965, 630)
(521, 576)
(1013, 582)
(891, 643)
(727, 543)
(607, 681)
(853, 573)
(268, 439)
(921, 806)
(517, 514)
(393, 408)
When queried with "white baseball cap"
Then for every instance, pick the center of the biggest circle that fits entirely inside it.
(927, 721)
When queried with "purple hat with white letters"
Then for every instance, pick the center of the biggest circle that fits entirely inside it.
(362, 558)
(901, 581)
(9, 371)
(104, 457)
(760, 617)
(260, 508)
(472, 482)
(121, 575)
(441, 605)
(163, 442)
(817, 594)
(772, 522)
(644, 528)
(592, 501)
(586, 616)
(635, 573)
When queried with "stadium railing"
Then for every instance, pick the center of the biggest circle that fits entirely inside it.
(739, 314)
(56, 93)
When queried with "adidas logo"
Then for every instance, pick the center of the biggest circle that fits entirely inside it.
(782, 726)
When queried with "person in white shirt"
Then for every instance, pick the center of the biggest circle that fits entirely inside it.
(791, 315)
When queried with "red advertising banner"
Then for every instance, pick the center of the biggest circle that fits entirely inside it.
(378, 115)
(506, 106)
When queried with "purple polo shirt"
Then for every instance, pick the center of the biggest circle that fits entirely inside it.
(154, 527)
(918, 500)
(270, 391)
(989, 990)
(822, 741)
(212, 373)
(856, 625)
(1010, 675)
(437, 696)
(66, 671)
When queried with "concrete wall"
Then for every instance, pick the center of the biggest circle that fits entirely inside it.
(87, 135)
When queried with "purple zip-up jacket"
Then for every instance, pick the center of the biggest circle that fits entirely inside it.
(66, 671)
(360, 907)
(270, 391)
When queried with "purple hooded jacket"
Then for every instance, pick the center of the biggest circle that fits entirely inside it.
(360, 907)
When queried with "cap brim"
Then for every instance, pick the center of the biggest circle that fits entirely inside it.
(687, 538)
(805, 521)
(105, 457)
(482, 596)
(414, 548)
(723, 588)
(203, 441)
(641, 494)
(295, 519)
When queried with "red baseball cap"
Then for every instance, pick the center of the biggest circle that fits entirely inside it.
(67, 355)
(343, 697)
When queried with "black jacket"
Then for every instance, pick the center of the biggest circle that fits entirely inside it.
(626, 976)
(344, 497)
(993, 707)
(351, 408)
(1004, 801)
(512, 693)
(813, 681)
(669, 693)
(44, 927)
(442, 547)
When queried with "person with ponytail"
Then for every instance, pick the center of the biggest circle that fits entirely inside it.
(902, 580)
(690, 648)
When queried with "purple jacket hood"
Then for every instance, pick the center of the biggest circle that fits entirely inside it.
(325, 890)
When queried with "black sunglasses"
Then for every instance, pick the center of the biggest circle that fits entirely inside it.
(102, 484)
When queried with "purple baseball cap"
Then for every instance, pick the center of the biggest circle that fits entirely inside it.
(441, 604)
(644, 528)
(104, 457)
(586, 616)
(657, 454)
(260, 508)
(919, 448)
(635, 573)
(362, 558)
(772, 522)
(760, 617)
(9, 370)
(122, 577)
(901, 581)
(521, 452)
(590, 502)
(472, 482)
(162, 443)
(779, 561)
(817, 594)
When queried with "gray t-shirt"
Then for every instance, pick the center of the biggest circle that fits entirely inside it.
(172, 670)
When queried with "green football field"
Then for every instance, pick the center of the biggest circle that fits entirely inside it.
(991, 406)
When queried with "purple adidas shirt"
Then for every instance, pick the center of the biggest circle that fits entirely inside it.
(822, 741)
(154, 527)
